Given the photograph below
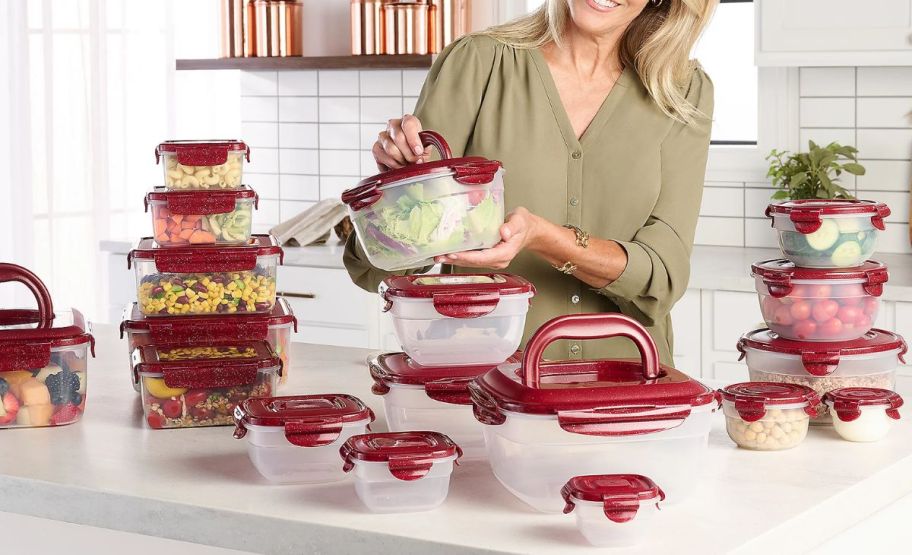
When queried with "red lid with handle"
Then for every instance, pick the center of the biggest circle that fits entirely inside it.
(806, 214)
(591, 397)
(752, 398)
(410, 455)
(847, 401)
(28, 335)
(202, 153)
(822, 358)
(308, 420)
(215, 365)
(206, 258)
(621, 494)
(448, 384)
(471, 170)
(457, 295)
(191, 203)
(780, 276)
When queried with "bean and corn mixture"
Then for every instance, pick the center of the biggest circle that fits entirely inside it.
(205, 293)
(195, 353)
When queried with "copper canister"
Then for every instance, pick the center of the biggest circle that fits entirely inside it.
(419, 31)
(237, 29)
(389, 29)
(433, 28)
(279, 27)
(356, 19)
(452, 20)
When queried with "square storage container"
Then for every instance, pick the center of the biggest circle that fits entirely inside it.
(296, 439)
(206, 279)
(188, 386)
(765, 416)
(863, 414)
(400, 472)
(613, 510)
(201, 217)
(464, 319)
(216, 164)
(407, 216)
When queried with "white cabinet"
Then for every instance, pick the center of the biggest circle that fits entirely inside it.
(726, 315)
(685, 322)
(833, 32)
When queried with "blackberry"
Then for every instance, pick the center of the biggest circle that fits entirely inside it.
(4, 387)
(63, 387)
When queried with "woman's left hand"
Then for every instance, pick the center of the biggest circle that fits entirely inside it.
(519, 229)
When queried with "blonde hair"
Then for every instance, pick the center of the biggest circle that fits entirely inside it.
(656, 45)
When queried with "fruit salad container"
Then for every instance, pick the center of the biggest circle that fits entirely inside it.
(448, 320)
(828, 233)
(203, 164)
(613, 510)
(548, 422)
(201, 217)
(419, 397)
(296, 439)
(407, 216)
(816, 304)
(870, 361)
(764, 416)
(863, 414)
(206, 279)
(192, 386)
(401, 472)
(275, 328)
(43, 359)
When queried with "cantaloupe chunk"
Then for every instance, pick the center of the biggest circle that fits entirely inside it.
(186, 233)
(177, 218)
(33, 392)
(200, 236)
(40, 415)
(160, 226)
(192, 219)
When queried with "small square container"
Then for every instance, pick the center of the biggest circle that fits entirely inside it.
(817, 304)
(214, 164)
(764, 416)
(401, 472)
(296, 439)
(206, 279)
(834, 233)
(464, 319)
(43, 359)
(191, 386)
(613, 510)
(863, 414)
(275, 328)
(201, 217)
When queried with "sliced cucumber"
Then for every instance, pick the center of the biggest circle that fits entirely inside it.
(846, 254)
(848, 225)
(825, 237)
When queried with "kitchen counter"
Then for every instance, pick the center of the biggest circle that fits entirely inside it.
(198, 485)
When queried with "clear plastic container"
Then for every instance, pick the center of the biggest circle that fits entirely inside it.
(613, 510)
(819, 304)
(828, 233)
(193, 386)
(201, 217)
(296, 439)
(465, 319)
(401, 472)
(203, 165)
(766, 416)
(206, 279)
(406, 217)
(863, 414)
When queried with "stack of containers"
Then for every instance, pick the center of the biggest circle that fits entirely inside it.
(821, 301)
(207, 330)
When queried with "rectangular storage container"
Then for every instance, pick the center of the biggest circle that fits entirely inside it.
(201, 217)
(613, 510)
(217, 164)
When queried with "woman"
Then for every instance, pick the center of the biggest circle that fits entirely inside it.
(602, 123)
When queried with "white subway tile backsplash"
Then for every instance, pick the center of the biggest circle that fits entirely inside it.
(894, 239)
(898, 203)
(339, 162)
(736, 184)
(290, 208)
(722, 202)
(263, 160)
(339, 83)
(728, 232)
(298, 109)
(266, 185)
(260, 134)
(412, 81)
(341, 109)
(268, 213)
(259, 108)
(299, 161)
(381, 83)
(300, 187)
(885, 112)
(380, 109)
(297, 83)
(368, 164)
(885, 144)
(298, 135)
(332, 187)
(885, 81)
(259, 83)
(827, 81)
(827, 112)
(340, 135)
(884, 175)
(756, 200)
(825, 136)
(408, 104)
(368, 135)
(758, 233)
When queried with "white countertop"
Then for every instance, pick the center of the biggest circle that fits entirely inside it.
(197, 485)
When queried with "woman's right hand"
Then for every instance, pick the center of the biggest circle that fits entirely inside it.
(399, 144)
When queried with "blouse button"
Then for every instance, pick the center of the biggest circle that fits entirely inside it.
(576, 155)
(575, 349)
(574, 201)
(575, 299)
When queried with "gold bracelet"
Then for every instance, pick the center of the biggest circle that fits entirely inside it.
(568, 268)
(582, 237)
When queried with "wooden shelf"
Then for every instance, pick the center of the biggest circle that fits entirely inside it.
(399, 61)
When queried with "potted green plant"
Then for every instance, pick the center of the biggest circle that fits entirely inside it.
(813, 174)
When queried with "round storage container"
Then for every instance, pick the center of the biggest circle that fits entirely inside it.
(863, 413)
(870, 361)
(462, 319)
(203, 164)
(815, 304)
(406, 217)
(828, 233)
(201, 217)
(613, 510)
(765, 416)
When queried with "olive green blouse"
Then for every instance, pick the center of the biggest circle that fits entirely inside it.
(635, 176)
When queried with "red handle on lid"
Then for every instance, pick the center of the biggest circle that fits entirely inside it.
(588, 326)
(14, 272)
(313, 433)
(453, 391)
(623, 421)
(820, 364)
(806, 221)
(878, 220)
(436, 140)
(466, 304)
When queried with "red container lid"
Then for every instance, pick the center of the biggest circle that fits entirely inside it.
(447, 384)
(847, 401)
(27, 336)
(597, 397)
(206, 258)
(238, 363)
(621, 494)
(822, 358)
(752, 398)
(309, 420)
(201, 153)
(206, 328)
(806, 214)
(410, 455)
(471, 170)
(457, 295)
(216, 201)
(779, 275)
